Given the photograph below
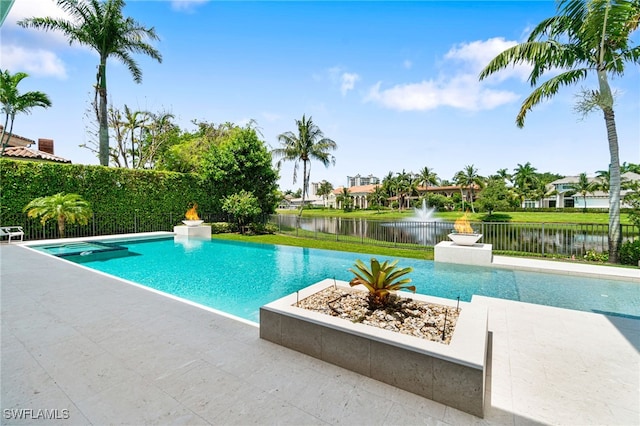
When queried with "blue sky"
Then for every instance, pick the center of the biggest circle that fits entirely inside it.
(394, 84)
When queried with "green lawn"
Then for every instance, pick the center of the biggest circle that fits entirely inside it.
(523, 217)
(328, 245)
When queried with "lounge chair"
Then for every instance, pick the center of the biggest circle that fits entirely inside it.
(12, 232)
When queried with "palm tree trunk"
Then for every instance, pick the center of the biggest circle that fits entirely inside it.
(606, 103)
(615, 236)
(101, 88)
(4, 144)
(304, 185)
(61, 226)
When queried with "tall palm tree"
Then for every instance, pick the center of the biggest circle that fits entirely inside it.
(61, 207)
(308, 144)
(525, 180)
(13, 102)
(427, 177)
(469, 178)
(583, 186)
(324, 189)
(377, 197)
(584, 37)
(345, 199)
(101, 26)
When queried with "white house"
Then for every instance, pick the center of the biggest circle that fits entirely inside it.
(562, 195)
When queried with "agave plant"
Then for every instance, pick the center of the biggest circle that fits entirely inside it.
(381, 280)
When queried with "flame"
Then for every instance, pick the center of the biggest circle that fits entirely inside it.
(192, 214)
(462, 225)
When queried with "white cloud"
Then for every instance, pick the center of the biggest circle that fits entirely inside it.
(476, 55)
(460, 93)
(30, 8)
(458, 85)
(35, 62)
(186, 5)
(348, 81)
(338, 76)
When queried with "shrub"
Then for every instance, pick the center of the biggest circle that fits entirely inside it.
(220, 228)
(630, 252)
(595, 256)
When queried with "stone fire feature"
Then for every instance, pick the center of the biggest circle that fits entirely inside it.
(200, 231)
(476, 254)
(452, 374)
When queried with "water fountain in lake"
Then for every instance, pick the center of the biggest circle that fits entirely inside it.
(422, 225)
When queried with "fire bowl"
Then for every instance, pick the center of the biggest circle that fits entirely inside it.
(193, 222)
(464, 239)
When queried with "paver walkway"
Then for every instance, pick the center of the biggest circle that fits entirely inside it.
(113, 353)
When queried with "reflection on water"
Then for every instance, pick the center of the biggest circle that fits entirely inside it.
(424, 229)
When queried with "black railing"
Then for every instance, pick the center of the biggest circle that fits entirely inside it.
(545, 239)
(100, 224)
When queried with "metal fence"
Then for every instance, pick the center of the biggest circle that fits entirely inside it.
(100, 224)
(546, 239)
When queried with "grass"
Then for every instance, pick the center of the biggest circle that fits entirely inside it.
(521, 217)
(286, 240)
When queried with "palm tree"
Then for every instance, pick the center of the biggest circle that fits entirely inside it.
(584, 187)
(585, 37)
(377, 197)
(525, 180)
(469, 178)
(324, 189)
(345, 199)
(101, 26)
(13, 102)
(135, 120)
(62, 207)
(309, 144)
(427, 177)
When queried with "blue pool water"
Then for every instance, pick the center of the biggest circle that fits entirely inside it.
(238, 278)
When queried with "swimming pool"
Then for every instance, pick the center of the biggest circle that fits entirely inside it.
(238, 278)
(84, 251)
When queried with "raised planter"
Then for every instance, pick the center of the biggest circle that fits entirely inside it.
(452, 374)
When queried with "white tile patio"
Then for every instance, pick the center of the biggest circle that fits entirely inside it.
(113, 353)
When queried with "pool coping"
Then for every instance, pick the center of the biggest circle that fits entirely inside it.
(501, 262)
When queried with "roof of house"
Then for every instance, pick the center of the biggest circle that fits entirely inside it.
(17, 140)
(32, 154)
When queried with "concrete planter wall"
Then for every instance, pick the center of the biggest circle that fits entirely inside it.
(451, 374)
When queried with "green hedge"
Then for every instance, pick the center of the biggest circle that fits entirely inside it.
(114, 193)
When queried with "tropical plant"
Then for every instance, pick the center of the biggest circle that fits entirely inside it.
(583, 186)
(324, 189)
(243, 206)
(64, 208)
(377, 197)
(381, 280)
(101, 26)
(584, 37)
(308, 144)
(630, 253)
(469, 178)
(427, 177)
(525, 181)
(13, 102)
(345, 199)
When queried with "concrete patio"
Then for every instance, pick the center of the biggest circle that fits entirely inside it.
(114, 353)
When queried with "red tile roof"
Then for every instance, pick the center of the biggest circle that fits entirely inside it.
(32, 154)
